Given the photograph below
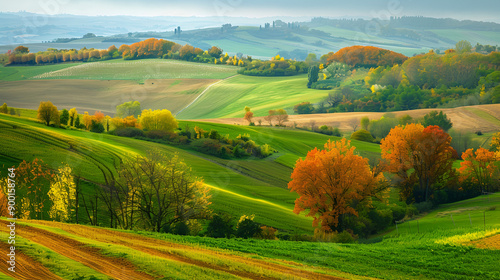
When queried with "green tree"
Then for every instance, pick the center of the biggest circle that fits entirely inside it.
(64, 116)
(220, 226)
(303, 108)
(131, 108)
(365, 121)
(439, 119)
(77, 121)
(47, 113)
(4, 109)
(463, 46)
(312, 75)
(311, 59)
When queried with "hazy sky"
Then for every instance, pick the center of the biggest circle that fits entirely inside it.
(477, 10)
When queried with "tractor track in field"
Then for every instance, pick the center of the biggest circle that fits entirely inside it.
(80, 252)
(26, 268)
(162, 248)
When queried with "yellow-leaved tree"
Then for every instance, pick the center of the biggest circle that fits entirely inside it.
(62, 193)
(48, 113)
(158, 120)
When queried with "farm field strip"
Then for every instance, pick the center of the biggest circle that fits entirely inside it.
(116, 268)
(26, 267)
(141, 70)
(461, 117)
(238, 265)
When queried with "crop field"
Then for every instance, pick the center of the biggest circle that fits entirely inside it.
(483, 118)
(141, 70)
(103, 95)
(228, 98)
(18, 73)
(482, 37)
(436, 251)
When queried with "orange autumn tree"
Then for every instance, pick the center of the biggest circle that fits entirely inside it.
(418, 156)
(479, 167)
(329, 180)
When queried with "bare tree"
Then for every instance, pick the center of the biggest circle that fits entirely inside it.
(354, 123)
(312, 124)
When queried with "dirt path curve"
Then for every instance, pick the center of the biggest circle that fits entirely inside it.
(80, 252)
(26, 267)
(167, 249)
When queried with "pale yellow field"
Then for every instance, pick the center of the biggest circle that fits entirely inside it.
(463, 118)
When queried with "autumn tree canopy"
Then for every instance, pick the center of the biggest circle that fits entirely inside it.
(418, 155)
(366, 56)
(479, 167)
(329, 181)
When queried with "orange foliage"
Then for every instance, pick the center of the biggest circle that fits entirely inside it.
(98, 116)
(367, 56)
(129, 121)
(479, 168)
(329, 180)
(418, 154)
(248, 116)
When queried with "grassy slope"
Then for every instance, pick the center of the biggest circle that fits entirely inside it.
(228, 98)
(120, 69)
(239, 187)
(16, 73)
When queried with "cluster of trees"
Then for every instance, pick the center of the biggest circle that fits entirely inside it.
(277, 66)
(22, 56)
(376, 130)
(336, 186)
(153, 192)
(4, 109)
(366, 56)
(159, 126)
(150, 48)
(279, 117)
(457, 78)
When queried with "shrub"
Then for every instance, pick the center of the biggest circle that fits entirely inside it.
(96, 127)
(248, 229)
(346, 237)
(268, 233)
(381, 218)
(129, 132)
(398, 213)
(362, 135)
(423, 207)
(220, 226)
(160, 134)
(180, 228)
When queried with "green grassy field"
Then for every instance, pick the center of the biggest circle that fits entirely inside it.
(482, 37)
(229, 98)
(17, 73)
(144, 69)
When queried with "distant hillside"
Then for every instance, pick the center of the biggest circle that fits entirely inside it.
(260, 38)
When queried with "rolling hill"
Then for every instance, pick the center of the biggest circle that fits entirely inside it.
(66, 251)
